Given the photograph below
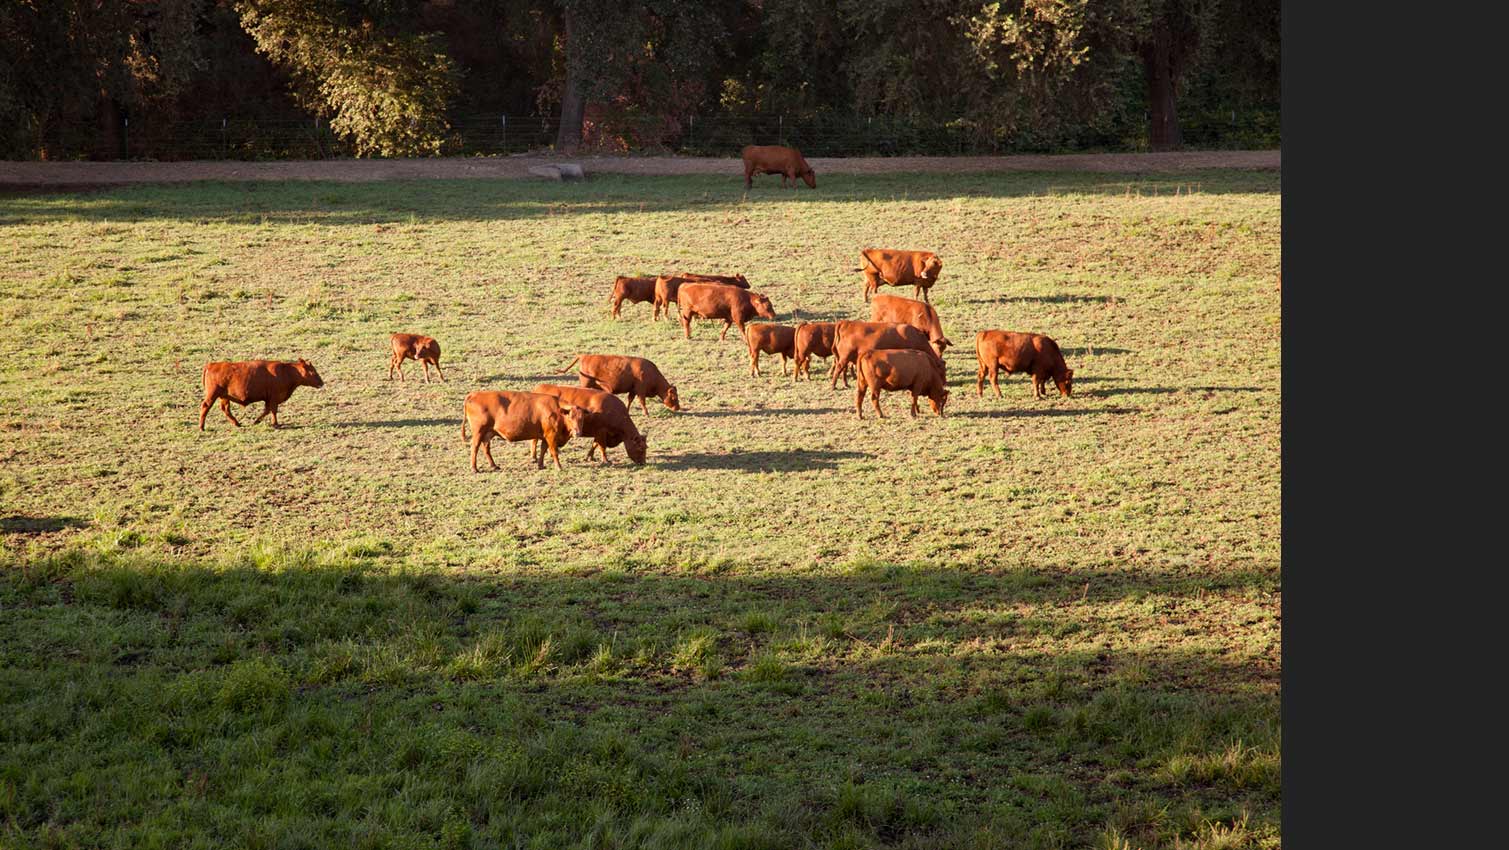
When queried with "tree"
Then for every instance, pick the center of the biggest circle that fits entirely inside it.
(383, 87)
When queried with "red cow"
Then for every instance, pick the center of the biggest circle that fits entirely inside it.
(918, 269)
(775, 159)
(635, 290)
(1032, 353)
(268, 381)
(899, 370)
(813, 339)
(715, 301)
(633, 375)
(667, 286)
(894, 308)
(514, 417)
(770, 339)
(600, 416)
(850, 339)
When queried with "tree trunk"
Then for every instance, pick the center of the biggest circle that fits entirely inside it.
(569, 137)
(1162, 85)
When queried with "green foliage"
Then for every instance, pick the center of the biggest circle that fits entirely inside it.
(385, 89)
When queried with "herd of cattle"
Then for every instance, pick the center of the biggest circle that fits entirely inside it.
(899, 350)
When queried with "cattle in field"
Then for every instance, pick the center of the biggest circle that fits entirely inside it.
(715, 301)
(812, 339)
(244, 382)
(777, 159)
(636, 376)
(601, 417)
(917, 269)
(514, 417)
(899, 371)
(850, 339)
(668, 286)
(635, 290)
(414, 347)
(770, 339)
(918, 314)
(1035, 354)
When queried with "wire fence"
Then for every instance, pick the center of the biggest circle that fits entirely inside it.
(241, 138)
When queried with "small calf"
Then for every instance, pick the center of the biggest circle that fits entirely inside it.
(415, 347)
(770, 339)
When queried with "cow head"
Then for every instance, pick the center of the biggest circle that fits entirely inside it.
(810, 178)
(636, 445)
(932, 267)
(762, 306)
(939, 344)
(671, 400)
(1065, 383)
(576, 419)
(307, 376)
(740, 278)
(938, 399)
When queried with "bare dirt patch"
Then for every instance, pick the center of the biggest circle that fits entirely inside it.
(76, 176)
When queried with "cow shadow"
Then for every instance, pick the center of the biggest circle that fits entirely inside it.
(1027, 412)
(1092, 351)
(404, 423)
(563, 378)
(1167, 390)
(17, 524)
(1042, 299)
(762, 411)
(794, 460)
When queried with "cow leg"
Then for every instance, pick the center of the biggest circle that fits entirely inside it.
(391, 363)
(875, 397)
(995, 371)
(400, 369)
(783, 367)
(980, 380)
(437, 370)
(872, 284)
(754, 363)
(686, 326)
(426, 365)
(476, 444)
(642, 405)
(267, 407)
(604, 449)
(914, 405)
(1037, 387)
(204, 408)
(726, 325)
(225, 407)
(859, 402)
(556, 454)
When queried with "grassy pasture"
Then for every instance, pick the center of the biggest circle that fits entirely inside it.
(1025, 624)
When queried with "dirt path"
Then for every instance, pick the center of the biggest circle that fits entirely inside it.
(66, 175)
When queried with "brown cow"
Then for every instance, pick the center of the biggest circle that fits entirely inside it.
(633, 375)
(894, 308)
(919, 269)
(667, 286)
(600, 416)
(268, 381)
(1032, 353)
(715, 301)
(813, 339)
(776, 159)
(635, 290)
(415, 347)
(770, 339)
(896, 370)
(514, 417)
(850, 339)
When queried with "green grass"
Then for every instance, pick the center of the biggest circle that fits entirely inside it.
(1025, 624)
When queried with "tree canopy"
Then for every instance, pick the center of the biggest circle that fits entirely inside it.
(394, 77)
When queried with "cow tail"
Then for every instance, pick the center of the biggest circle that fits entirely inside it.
(569, 365)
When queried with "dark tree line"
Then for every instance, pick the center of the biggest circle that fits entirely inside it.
(391, 77)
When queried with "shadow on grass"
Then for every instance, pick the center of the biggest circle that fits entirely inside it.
(795, 460)
(1028, 412)
(405, 423)
(1087, 351)
(1042, 299)
(17, 524)
(1168, 390)
(762, 411)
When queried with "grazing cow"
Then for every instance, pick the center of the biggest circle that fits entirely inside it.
(919, 269)
(897, 370)
(775, 159)
(415, 347)
(514, 417)
(1032, 353)
(716, 301)
(668, 286)
(850, 339)
(770, 339)
(268, 381)
(633, 375)
(635, 290)
(813, 339)
(894, 308)
(601, 417)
